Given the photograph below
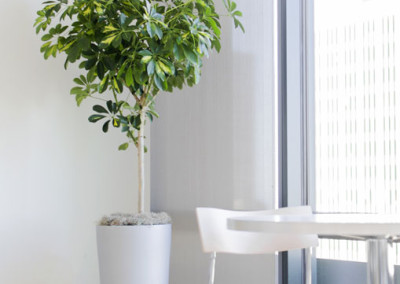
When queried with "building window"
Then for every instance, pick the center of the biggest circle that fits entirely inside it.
(357, 113)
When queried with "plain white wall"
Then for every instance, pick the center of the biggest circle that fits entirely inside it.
(59, 174)
(213, 145)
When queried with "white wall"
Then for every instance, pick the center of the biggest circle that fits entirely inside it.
(213, 146)
(58, 173)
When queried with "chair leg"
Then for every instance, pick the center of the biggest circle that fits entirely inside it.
(213, 256)
(308, 266)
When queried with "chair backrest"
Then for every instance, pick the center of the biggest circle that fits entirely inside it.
(216, 237)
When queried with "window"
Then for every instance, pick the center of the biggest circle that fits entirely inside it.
(356, 49)
(341, 111)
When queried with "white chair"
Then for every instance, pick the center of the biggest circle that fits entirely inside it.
(216, 238)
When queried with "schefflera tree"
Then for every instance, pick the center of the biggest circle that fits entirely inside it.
(129, 51)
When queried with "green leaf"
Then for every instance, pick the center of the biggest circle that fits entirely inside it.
(82, 65)
(190, 55)
(140, 74)
(96, 117)
(80, 98)
(165, 68)
(160, 84)
(136, 122)
(178, 52)
(238, 24)
(159, 72)
(73, 53)
(99, 109)
(44, 46)
(48, 52)
(83, 79)
(216, 43)
(87, 12)
(116, 122)
(232, 6)
(129, 77)
(39, 27)
(117, 42)
(108, 40)
(109, 28)
(109, 62)
(105, 126)
(123, 147)
(100, 70)
(151, 29)
(91, 76)
(123, 119)
(54, 50)
(214, 26)
(79, 81)
(63, 29)
(64, 14)
(122, 19)
(90, 63)
(76, 91)
(150, 67)
(179, 82)
(103, 84)
(146, 59)
(116, 85)
(154, 113)
(66, 63)
(145, 52)
(84, 43)
(67, 46)
(47, 37)
(121, 70)
(158, 32)
(110, 106)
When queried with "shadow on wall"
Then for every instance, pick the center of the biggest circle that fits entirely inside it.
(195, 130)
(213, 146)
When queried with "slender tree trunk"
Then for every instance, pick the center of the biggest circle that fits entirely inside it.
(141, 161)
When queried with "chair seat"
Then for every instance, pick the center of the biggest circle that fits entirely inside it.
(217, 238)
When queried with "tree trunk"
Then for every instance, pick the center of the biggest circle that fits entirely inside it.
(141, 161)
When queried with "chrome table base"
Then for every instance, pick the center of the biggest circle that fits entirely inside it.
(380, 264)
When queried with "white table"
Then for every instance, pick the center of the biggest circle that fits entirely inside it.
(378, 231)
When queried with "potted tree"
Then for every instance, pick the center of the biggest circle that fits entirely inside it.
(129, 51)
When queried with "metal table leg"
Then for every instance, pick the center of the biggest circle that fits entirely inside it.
(307, 277)
(380, 265)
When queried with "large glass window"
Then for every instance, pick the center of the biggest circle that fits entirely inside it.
(357, 112)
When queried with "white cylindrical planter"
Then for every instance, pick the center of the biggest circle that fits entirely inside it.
(134, 254)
